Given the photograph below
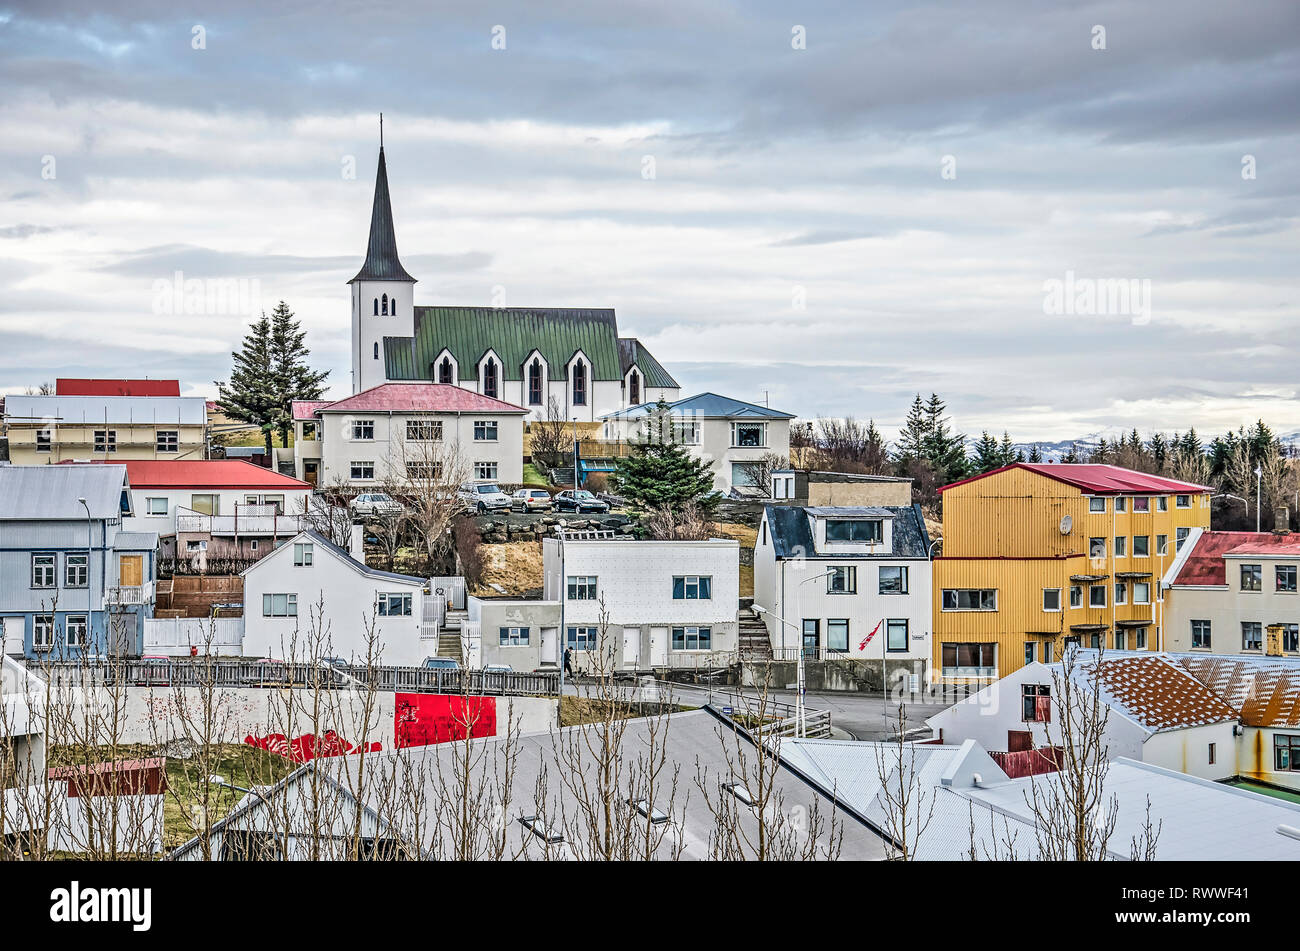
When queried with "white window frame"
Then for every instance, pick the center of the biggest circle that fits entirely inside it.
(1092, 504)
(149, 506)
(943, 600)
(487, 426)
(360, 427)
(762, 435)
(485, 470)
(417, 428)
(43, 632)
(303, 554)
(49, 567)
(1057, 592)
(76, 631)
(290, 604)
(361, 465)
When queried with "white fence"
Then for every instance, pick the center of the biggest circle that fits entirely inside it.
(175, 636)
(453, 589)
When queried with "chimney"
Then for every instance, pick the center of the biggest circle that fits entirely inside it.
(357, 544)
(1281, 520)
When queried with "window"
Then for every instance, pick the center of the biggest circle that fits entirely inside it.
(842, 579)
(424, 430)
(1141, 546)
(744, 474)
(749, 435)
(969, 660)
(537, 827)
(1162, 503)
(308, 430)
(1121, 546)
(485, 430)
(253, 545)
(394, 605)
(812, 634)
(896, 634)
(1142, 504)
(363, 469)
(582, 587)
(1141, 592)
(1096, 548)
(75, 571)
(1162, 545)
(445, 372)
(692, 638)
(168, 440)
(1212, 754)
(1180, 536)
(970, 599)
(854, 530)
(74, 630)
(1121, 641)
(579, 384)
(302, 554)
(1140, 638)
(194, 545)
(485, 470)
(376, 311)
(1251, 577)
(1286, 752)
(1284, 577)
(363, 429)
(383, 305)
(392, 306)
(1036, 703)
(1201, 635)
(155, 506)
(43, 570)
(893, 579)
(535, 383)
(42, 632)
(1121, 592)
(105, 440)
(375, 352)
(837, 635)
(1183, 501)
(1097, 504)
(1252, 636)
(634, 388)
(1097, 596)
(642, 806)
(1051, 599)
(423, 471)
(206, 504)
(1121, 504)
(43, 440)
(740, 792)
(1094, 641)
(582, 638)
(1076, 596)
(1047, 652)
(490, 378)
(1029, 652)
(514, 637)
(692, 588)
(279, 605)
(1291, 637)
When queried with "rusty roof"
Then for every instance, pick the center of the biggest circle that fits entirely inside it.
(1157, 692)
(1205, 564)
(1265, 691)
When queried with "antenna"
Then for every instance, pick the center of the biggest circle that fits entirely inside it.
(381, 130)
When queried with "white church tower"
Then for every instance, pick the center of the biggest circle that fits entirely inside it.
(383, 294)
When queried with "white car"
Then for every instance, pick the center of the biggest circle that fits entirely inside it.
(483, 496)
(375, 503)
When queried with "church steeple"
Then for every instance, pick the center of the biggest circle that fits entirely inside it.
(381, 254)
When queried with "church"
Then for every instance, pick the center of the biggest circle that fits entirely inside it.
(520, 355)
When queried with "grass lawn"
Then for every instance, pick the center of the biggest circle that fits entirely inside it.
(533, 476)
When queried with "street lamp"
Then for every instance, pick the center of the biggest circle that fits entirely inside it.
(800, 682)
(90, 543)
(575, 460)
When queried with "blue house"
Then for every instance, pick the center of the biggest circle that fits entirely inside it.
(72, 582)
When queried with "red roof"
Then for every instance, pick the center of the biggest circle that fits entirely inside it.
(1205, 565)
(65, 386)
(306, 409)
(204, 474)
(419, 398)
(1097, 479)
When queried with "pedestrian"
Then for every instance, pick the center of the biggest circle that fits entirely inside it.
(568, 662)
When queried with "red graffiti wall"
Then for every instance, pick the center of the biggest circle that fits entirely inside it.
(425, 718)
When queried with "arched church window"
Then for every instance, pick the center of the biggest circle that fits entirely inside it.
(376, 306)
(444, 370)
(535, 383)
(490, 378)
(383, 306)
(376, 349)
(634, 389)
(392, 307)
(579, 383)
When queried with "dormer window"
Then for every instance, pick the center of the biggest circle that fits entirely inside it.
(579, 384)
(444, 370)
(634, 389)
(855, 530)
(535, 383)
(490, 378)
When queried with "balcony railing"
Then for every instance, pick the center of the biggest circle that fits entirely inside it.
(284, 526)
(129, 595)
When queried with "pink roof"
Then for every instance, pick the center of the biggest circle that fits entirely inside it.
(420, 398)
(1097, 479)
(204, 474)
(306, 409)
(1205, 565)
(66, 386)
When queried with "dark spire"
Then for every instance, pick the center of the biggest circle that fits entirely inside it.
(381, 254)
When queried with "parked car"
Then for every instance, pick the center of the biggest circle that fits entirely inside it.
(441, 663)
(530, 500)
(155, 670)
(268, 672)
(497, 669)
(578, 501)
(375, 503)
(483, 496)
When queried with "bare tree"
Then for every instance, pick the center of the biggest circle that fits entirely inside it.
(430, 470)
(687, 523)
(909, 807)
(550, 440)
(758, 472)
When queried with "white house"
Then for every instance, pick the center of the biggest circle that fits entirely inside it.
(729, 434)
(310, 588)
(668, 603)
(400, 432)
(527, 356)
(1158, 712)
(845, 581)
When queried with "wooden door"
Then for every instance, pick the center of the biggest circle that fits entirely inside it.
(130, 571)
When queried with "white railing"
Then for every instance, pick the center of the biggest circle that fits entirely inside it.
(434, 614)
(129, 594)
(175, 636)
(452, 588)
(284, 526)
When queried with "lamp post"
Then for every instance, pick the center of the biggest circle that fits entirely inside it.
(90, 543)
(800, 684)
(575, 461)
(1259, 484)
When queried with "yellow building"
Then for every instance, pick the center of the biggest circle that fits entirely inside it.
(60, 428)
(1036, 556)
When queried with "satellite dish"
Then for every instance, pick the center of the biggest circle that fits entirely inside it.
(1067, 523)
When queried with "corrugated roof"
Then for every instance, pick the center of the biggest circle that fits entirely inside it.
(306, 409)
(67, 386)
(1204, 563)
(381, 252)
(1265, 691)
(791, 531)
(1156, 692)
(135, 541)
(82, 410)
(1097, 479)
(51, 492)
(705, 405)
(419, 398)
(632, 352)
(205, 474)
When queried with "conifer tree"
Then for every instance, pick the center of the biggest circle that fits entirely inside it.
(251, 394)
(293, 378)
(660, 474)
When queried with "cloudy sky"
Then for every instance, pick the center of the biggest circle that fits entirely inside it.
(832, 228)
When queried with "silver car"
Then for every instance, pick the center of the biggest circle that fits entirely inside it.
(531, 500)
(483, 496)
(375, 503)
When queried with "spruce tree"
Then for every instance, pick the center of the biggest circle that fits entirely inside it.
(914, 434)
(945, 450)
(661, 474)
(988, 455)
(251, 394)
(1007, 450)
(1035, 454)
(293, 378)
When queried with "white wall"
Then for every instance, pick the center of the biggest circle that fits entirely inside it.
(333, 597)
(369, 330)
(1187, 751)
(714, 445)
(295, 501)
